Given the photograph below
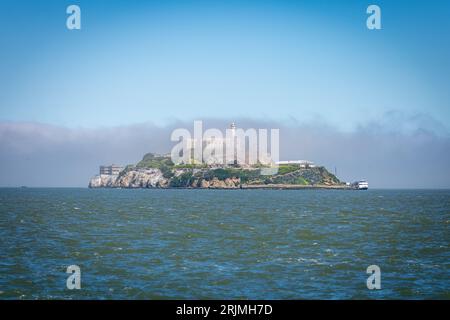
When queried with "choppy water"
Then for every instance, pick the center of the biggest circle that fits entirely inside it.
(263, 244)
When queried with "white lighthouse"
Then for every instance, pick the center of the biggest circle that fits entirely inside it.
(233, 129)
(234, 143)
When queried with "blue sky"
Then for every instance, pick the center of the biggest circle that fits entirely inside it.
(374, 104)
(158, 61)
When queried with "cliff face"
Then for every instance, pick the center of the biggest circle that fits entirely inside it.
(159, 172)
(102, 181)
(215, 183)
(141, 178)
(154, 178)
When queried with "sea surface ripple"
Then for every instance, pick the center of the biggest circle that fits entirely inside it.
(224, 244)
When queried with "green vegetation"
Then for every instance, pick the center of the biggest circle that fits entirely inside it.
(283, 169)
(221, 174)
(190, 166)
(166, 171)
(225, 173)
(247, 176)
(287, 174)
(182, 181)
(127, 169)
(151, 160)
(301, 181)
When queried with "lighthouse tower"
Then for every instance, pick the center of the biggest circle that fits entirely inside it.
(233, 129)
(234, 144)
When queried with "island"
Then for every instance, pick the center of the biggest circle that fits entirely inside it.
(158, 171)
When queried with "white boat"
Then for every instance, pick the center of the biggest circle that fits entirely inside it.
(362, 185)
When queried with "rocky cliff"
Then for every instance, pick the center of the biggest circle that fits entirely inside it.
(154, 178)
(139, 178)
(159, 172)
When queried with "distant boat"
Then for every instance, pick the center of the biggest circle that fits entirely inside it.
(362, 185)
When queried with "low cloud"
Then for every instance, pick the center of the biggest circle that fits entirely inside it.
(396, 151)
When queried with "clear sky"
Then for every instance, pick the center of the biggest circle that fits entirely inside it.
(136, 61)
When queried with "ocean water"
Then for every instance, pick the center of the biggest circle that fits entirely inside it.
(223, 244)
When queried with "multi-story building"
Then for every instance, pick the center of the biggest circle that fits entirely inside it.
(113, 169)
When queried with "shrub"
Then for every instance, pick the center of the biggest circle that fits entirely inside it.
(182, 181)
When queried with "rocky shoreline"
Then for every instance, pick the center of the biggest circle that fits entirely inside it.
(154, 178)
(297, 187)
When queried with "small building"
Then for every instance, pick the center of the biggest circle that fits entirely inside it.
(113, 169)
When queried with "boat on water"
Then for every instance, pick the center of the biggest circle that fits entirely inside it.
(362, 185)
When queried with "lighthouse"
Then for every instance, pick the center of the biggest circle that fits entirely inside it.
(234, 143)
(233, 129)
